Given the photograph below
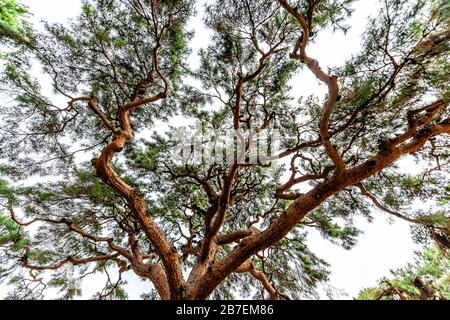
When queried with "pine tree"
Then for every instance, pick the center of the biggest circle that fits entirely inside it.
(427, 279)
(90, 190)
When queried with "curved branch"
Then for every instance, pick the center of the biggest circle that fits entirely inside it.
(134, 198)
(94, 107)
(260, 276)
(73, 261)
(73, 228)
(379, 205)
(300, 54)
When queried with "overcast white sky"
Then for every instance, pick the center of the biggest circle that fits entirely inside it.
(383, 246)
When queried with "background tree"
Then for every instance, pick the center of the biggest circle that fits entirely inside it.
(13, 25)
(427, 279)
(200, 230)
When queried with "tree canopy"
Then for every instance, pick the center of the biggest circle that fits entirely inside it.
(88, 186)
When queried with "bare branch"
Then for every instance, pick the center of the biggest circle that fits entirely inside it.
(73, 261)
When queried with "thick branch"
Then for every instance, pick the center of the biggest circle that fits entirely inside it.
(297, 15)
(300, 54)
(235, 236)
(306, 203)
(134, 198)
